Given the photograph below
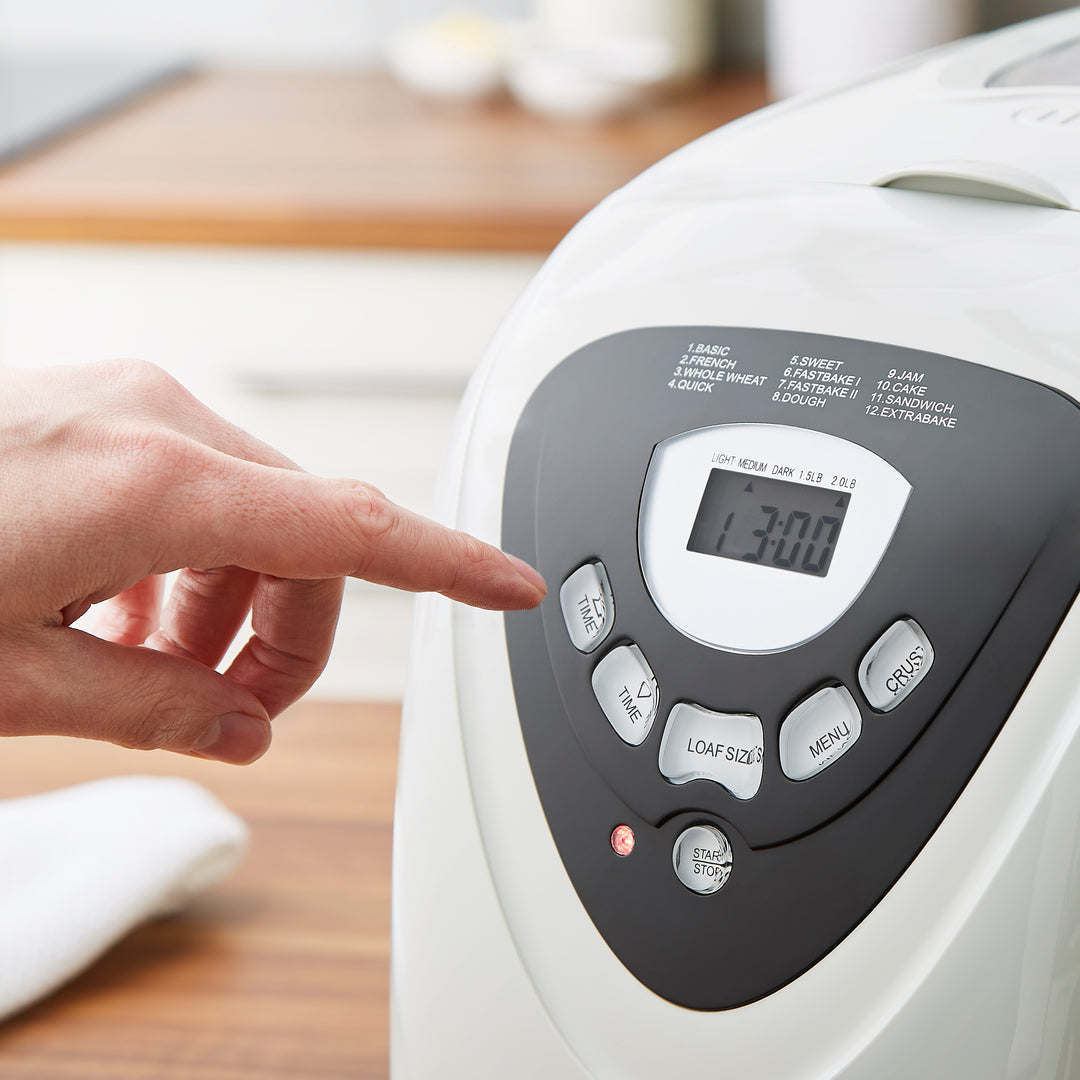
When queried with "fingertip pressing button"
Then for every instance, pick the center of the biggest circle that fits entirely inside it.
(588, 608)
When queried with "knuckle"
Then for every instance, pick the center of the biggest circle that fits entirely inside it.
(467, 563)
(157, 721)
(135, 477)
(276, 676)
(199, 586)
(117, 623)
(139, 378)
(473, 556)
(155, 460)
(369, 507)
(373, 515)
(294, 667)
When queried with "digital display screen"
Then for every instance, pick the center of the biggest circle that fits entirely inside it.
(769, 522)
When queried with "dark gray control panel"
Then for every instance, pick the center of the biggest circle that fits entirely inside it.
(798, 583)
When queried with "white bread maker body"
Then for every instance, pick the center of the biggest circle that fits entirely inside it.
(782, 779)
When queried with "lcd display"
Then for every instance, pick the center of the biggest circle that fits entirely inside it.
(770, 522)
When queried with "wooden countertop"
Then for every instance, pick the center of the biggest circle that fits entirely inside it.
(346, 159)
(280, 971)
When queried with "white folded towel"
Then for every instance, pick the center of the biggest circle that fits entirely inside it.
(81, 867)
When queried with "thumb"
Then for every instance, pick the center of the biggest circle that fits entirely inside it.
(62, 681)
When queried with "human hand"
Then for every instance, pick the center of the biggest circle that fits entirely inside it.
(112, 474)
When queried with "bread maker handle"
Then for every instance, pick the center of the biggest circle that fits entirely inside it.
(978, 179)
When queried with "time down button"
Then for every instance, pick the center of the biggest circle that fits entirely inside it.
(626, 690)
(726, 748)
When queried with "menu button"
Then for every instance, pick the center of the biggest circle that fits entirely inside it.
(818, 731)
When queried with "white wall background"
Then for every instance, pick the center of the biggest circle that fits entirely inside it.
(294, 31)
(246, 31)
(317, 31)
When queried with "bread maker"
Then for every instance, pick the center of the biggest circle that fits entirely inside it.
(782, 779)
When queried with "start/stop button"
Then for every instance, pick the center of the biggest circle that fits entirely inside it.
(702, 859)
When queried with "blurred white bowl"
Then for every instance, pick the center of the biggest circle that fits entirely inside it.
(606, 79)
(459, 57)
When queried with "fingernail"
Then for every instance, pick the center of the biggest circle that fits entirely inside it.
(529, 574)
(235, 738)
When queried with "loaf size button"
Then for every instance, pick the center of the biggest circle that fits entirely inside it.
(626, 689)
(818, 731)
(895, 664)
(702, 859)
(588, 608)
(726, 748)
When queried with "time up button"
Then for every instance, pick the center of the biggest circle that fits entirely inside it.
(588, 608)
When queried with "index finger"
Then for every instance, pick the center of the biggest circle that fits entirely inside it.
(222, 510)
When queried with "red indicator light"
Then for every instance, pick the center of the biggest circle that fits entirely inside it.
(622, 840)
